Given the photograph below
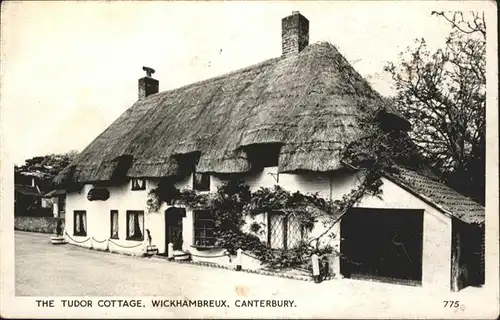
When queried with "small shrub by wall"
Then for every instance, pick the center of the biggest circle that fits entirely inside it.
(37, 224)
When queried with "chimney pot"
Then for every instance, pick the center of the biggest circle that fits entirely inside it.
(147, 85)
(149, 71)
(294, 33)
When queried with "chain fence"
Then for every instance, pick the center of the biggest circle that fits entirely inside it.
(77, 240)
(225, 254)
(103, 241)
(126, 247)
(99, 241)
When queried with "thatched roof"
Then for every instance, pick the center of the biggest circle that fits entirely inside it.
(307, 102)
(27, 190)
(55, 193)
(439, 195)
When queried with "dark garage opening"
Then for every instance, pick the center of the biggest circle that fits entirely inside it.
(382, 244)
(467, 255)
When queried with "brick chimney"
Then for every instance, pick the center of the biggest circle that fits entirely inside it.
(294, 33)
(147, 85)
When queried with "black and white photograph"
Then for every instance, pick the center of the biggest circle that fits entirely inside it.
(191, 159)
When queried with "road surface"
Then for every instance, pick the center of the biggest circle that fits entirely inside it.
(43, 269)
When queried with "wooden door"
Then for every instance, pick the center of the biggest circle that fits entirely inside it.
(173, 227)
(382, 244)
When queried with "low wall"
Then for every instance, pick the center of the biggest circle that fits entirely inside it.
(37, 224)
(217, 256)
(38, 212)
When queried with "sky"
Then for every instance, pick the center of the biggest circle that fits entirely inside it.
(69, 69)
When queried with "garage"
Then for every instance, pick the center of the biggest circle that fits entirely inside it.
(382, 244)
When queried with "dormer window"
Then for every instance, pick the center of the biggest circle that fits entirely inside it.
(263, 155)
(201, 181)
(138, 184)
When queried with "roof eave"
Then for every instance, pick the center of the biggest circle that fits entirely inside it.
(424, 198)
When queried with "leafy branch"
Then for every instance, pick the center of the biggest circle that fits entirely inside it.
(443, 95)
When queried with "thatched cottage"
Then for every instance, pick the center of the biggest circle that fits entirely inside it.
(281, 122)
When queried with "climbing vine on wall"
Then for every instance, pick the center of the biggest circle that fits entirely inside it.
(371, 155)
(233, 201)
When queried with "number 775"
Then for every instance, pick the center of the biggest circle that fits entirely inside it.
(451, 303)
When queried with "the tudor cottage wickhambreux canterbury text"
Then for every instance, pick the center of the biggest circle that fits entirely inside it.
(281, 122)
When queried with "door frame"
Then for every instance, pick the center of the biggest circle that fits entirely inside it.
(176, 215)
(346, 268)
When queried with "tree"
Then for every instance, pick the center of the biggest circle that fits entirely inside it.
(43, 169)
(443, 95)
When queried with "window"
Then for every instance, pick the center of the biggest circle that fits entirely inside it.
(138, 184)
(284, 231)
(114, 224)
(201, 181)
(61, 206)
(135, 225)
(263, 155)
(61, 203)
(80, 223)
(203, 228)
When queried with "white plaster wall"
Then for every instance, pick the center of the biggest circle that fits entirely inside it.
(436, 256)
(265, 178)
(323, 225)
(55, 207)
(437, 227)
(188, 231)
(121, 198)
(326, 184)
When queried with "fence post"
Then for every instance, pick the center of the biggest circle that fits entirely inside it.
(238, 259)
(107, 244)
(315, 267)
(91, 243)
(170, 251)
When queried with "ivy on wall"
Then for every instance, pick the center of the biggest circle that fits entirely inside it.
(377, 151)
(233, 201)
